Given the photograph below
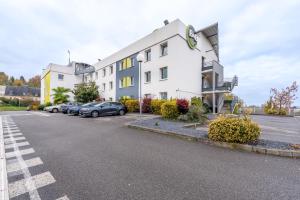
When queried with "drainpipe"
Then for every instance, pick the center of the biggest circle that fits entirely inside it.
(213, 94)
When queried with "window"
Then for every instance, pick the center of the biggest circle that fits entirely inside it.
(96, 75)
(148, 96)
(110, 85)
(103, 86)
(126, 81)
(132, 62)
(111, 69)
(163, 73)
(60, 77)
(104, 72)
(163, 95)
(148, 77)
(148, 55)
(164, 49)
(126, 63)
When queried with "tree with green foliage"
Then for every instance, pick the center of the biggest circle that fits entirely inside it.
(60, 95)
(86, 92)
(3, 78)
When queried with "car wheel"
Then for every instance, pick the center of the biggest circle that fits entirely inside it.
(55, 110)
(95, 114)
(122, 112)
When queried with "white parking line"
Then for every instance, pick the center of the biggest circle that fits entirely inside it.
(11, 139)
(3, 173)
(30, 163)
(19, 153)
(63, 198)
(41, 114)
(21, 144)
(30, 184)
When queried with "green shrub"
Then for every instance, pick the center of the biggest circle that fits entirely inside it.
(236, 130)
(41, 107)
(156, 106)
(271, 111)
(169, 110)
(132, 105)
(282, 112)
(195, 114)
(196, 101)
(48, 104)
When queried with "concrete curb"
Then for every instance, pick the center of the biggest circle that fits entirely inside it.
(242, 147)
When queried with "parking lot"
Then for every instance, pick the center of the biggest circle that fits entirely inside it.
(285, 129)
(68, 157)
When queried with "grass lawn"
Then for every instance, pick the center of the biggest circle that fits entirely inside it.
(12, 108)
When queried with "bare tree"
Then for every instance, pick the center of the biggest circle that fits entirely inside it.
(284, 98)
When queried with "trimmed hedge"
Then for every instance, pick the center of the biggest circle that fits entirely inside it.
(169, 110)
(156, 106)
(132, 105)
(234, 130)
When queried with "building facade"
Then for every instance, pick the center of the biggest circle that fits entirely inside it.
(179, 63)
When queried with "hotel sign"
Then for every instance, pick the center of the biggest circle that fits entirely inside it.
(83, 68)
(191, 37)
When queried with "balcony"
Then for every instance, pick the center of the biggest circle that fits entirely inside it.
(211, 65)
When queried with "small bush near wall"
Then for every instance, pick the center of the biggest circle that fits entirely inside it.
(156, 106)
(195, 114)
(235, 130)
(196, 101)
(146, 107)
(169, 110)
(182, 106)
(48, 104)
(132, 105)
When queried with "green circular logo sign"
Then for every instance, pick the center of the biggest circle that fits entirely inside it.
(191, 37)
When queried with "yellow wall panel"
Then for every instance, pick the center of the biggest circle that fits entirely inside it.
(47, 79)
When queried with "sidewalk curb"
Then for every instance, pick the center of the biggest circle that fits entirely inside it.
(242, 147)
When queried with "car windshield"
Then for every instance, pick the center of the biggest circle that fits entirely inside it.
(100, 104)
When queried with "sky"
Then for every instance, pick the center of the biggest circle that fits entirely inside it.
(259, 39)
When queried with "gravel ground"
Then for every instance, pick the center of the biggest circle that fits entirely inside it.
(159, 123)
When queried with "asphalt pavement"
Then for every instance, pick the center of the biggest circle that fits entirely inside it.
(103, 159)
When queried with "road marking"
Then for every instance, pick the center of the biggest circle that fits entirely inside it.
(30, 163)
(41, 114)
(14, 135)
(30, 184)
(21, 144)
(63, 198)
(19, 152)
(3, 173)
(11, 139)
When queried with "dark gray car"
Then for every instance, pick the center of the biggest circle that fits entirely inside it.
(105, 108)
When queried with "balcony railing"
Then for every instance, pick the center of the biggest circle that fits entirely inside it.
(211, 65)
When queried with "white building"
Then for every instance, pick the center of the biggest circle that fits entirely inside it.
(179, 63)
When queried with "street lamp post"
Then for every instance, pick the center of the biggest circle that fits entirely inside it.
(140, 59)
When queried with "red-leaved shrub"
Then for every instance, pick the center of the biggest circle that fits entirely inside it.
(146, 107)
(182, 106)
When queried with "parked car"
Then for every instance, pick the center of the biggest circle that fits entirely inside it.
(65, 107)
(74, 110)
(104, 108)
(53, 109)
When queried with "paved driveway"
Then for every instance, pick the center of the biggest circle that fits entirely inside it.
(285, 129)
(74, 158)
